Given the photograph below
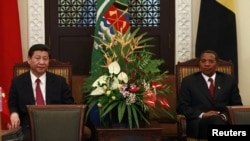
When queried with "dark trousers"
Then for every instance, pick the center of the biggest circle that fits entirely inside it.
(26, 134)
(91, 126)
(205, 122)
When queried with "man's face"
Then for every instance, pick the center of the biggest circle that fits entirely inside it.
(39, 62)
(208, 64)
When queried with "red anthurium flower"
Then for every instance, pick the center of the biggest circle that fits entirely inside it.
(132, 80)
(139, 57)
(126, 61)
(149, 98)
(149, 95)
(157, 85)
(142, 74)
(149, 102)
(134, 89)
(163, 102)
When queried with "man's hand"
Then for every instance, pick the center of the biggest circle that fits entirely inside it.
(15, 121)
(210, 113)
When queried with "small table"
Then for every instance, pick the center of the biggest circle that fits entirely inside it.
(126, 134)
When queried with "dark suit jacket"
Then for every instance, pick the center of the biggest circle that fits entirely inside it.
(194, 97)
(21, 94)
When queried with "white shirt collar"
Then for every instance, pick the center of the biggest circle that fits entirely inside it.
(33, 78)
(206, 77)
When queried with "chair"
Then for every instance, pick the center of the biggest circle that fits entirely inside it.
(55, 66)
(56, 122)
(238, 114)
(186, 68)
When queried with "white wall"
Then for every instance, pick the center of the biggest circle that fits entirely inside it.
(243, 34)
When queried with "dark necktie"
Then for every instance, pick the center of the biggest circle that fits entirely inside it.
(39, 96)
(211, 87)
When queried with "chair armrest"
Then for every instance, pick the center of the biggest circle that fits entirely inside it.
(181, 126)
(86, 132)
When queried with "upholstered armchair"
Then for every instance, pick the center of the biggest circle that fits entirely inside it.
(184, 69)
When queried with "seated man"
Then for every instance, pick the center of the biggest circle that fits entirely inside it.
(24, 89)
(202, 100)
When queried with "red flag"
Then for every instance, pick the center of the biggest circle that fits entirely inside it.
(10, 49)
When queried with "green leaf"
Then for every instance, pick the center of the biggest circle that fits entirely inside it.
(135, 115)
(141, 114)
(121, 110)
(108, 108)
(129, 117)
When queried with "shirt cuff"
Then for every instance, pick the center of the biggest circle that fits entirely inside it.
(200, 116)
(224, 116)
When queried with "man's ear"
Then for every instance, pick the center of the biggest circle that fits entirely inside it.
(28, 60)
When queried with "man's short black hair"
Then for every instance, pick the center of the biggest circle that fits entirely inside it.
(212, 52)
(38, 47)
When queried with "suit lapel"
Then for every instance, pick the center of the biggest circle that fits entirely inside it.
(218, 84)
(49, 87)
(204, 87)
(28, 87)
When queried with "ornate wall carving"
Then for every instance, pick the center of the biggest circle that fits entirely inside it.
(183, 30)
(36, 33)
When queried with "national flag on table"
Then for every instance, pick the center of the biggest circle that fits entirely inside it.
(111, 15)
(217, 30)
(10, 50)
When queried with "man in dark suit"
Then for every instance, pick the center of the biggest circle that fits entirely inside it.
(196, 102)
(54, 89)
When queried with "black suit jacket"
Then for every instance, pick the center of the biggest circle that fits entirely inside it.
(194, 97)
(21, 94)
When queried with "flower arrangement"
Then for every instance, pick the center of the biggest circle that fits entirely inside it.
(128, 81)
